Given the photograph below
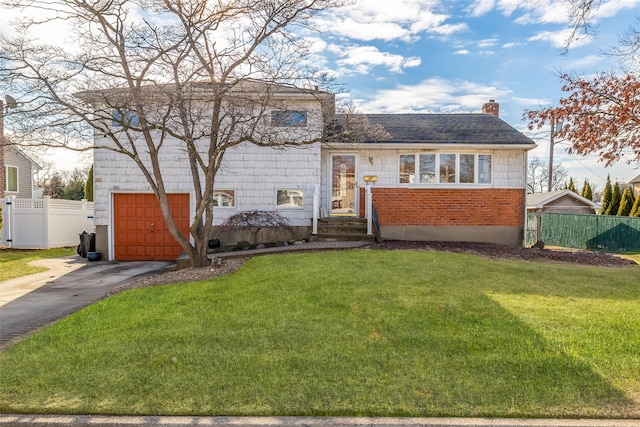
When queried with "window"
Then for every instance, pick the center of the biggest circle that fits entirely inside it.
(484, 169)
(445, 168)
(290, 198)
(467, 168)
(12, 179)
(224, 198)
(125, 117)
(289, 118)
(407, 169)
(427, 168)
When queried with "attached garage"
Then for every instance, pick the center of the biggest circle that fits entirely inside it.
(140, 233)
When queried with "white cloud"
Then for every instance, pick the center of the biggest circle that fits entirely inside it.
(461, 52)
(538, 12)
(361, 59)
(559, 38)
(384, 20)
(611, 8)
(435, 94)
(587, 61)
(544, 12)
(512, 44)
(487, 42)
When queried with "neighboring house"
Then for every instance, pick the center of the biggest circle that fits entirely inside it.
(16, 168)
(635, 186)
(564, 201)
(447, 177)
(18, 173)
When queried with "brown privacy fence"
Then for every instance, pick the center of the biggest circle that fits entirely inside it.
(595, 232)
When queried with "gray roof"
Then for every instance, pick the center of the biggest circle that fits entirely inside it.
(635, 180)
(448, 128)
(538, 200)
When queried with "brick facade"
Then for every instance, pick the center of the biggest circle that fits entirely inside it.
(448, 206)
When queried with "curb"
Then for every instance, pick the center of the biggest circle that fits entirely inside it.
(177, 421)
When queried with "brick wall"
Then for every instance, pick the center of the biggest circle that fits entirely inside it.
(448, 207)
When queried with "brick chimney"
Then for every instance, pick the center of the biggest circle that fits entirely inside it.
(491, 107)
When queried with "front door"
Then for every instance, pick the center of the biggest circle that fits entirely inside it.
(343, 185)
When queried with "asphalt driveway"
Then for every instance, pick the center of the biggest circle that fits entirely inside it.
(31, 302)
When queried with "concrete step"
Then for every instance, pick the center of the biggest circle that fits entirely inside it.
(341, 229)
(337, 237)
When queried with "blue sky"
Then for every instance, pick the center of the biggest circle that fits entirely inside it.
(401, 56)
(417, 56)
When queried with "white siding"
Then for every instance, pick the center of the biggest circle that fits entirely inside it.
(254, 173)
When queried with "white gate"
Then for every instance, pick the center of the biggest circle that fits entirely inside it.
(44, 223)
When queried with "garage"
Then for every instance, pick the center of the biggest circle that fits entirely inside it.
(140, 233)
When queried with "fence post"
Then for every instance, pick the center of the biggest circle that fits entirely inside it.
(538, 225)
(45, 218)
(10, 205)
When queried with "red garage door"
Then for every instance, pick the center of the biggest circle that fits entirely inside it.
(139, 230)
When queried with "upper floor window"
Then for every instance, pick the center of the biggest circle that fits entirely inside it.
(280, 118)
(125, 117)
(444, 168)
(12, 179)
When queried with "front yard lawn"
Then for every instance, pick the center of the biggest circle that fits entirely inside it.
(347, 333)
(14, 262)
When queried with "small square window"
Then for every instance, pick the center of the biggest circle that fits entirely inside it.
(290, 198)
(224, 198)
(289, 118)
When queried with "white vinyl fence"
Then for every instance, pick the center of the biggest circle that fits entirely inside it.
(44, 223)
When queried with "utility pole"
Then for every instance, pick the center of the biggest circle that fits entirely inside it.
(550, 175)
(551, 144)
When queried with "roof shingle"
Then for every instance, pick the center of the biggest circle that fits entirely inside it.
(447, 128)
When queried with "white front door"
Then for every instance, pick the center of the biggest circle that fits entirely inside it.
(344, 200)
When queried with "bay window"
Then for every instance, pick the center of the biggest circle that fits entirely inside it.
(445, 168)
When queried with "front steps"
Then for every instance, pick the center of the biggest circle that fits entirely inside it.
(340, 229)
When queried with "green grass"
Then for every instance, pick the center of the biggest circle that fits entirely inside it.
(14, 262)
(632, 255)
(376, 333)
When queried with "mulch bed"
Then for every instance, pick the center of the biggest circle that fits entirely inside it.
(499, 251)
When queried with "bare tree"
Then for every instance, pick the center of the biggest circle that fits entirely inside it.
(538, 176)
(583, 16)
(141, 73)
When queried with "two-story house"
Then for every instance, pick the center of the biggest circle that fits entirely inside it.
(447, 177)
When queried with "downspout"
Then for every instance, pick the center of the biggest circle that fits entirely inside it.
(368, 209)
(316, 208)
